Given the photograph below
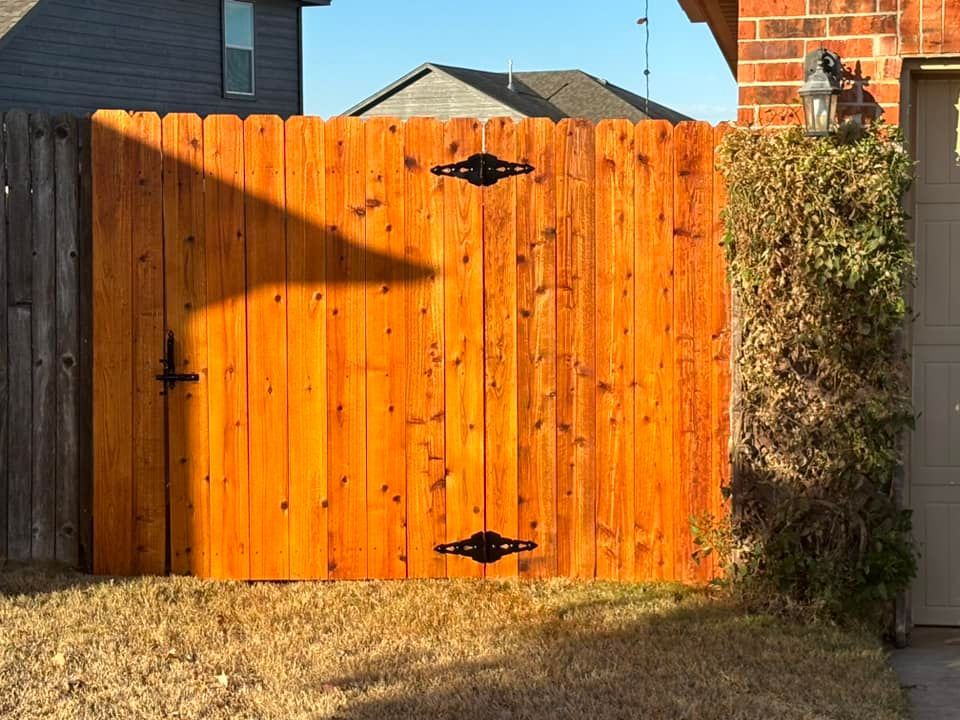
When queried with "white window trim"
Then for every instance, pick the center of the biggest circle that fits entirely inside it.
(251, 49)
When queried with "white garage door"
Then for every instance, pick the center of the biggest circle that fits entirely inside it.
(935, 457)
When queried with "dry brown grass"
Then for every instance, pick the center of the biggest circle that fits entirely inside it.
(77, 647)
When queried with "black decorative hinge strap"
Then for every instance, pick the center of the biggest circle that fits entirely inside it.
(486, 547)
(482, 169)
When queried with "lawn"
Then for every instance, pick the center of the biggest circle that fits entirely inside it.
(77, 647)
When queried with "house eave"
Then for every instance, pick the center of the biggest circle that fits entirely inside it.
(722, 25)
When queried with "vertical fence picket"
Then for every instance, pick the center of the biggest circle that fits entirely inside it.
(68, 369)
(114, 168)
(4, 356)
(463, 332)
(20, 227)
(306, 347)
(615, 351)
(655, 370)
(576, 349)
(424, 378)
(720, 375)
(147, 307)
(44, 340)
(537, 346)
(693, 214)
(501, 492)
(346, 384)
(225, 235)
(386, 349)
(85, 361)
(265, 203)
(184, 269)
(19, 330)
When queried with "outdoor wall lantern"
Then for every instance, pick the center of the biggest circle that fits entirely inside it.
(820, 92)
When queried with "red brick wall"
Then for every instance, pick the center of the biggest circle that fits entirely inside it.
(871, 37)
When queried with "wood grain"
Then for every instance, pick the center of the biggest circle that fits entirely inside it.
(43, 343)
(463, 332)
(4, 370)
(615, 349)
(20, 227)
(147, 210)
(537, 347)
(265, 202)
(20, 448)
(307, 347)
(500, 348)
(391, 360)
(114, 169)
(185, 273)
(386, 349)
(655, 486)
(693, 221)
(19, 261)
(346, 354)
(576, 350)
(69, 440)
(85, 320)
(424, 323)
(720, 372)
(225, 236)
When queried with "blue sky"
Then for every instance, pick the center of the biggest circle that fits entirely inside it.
(355, 47)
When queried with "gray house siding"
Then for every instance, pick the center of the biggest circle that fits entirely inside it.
(442, 97)
(164, 55)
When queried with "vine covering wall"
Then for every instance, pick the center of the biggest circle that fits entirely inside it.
(819, 261)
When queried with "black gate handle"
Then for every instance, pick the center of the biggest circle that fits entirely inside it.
(170, 377)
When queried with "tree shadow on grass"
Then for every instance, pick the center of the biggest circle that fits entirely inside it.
(600, 663)
(437, 649)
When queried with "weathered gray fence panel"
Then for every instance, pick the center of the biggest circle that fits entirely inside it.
(68, 340)
(20, 419)
(45, 325)
(85, 395)
(20, 227)
(44, 317)
(4, 385)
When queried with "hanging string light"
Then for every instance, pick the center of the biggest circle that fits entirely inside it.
(645, 21)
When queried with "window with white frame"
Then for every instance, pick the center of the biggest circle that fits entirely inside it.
(238, 65)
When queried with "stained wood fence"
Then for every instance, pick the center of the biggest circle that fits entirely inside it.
(390, 360)
(45, 429)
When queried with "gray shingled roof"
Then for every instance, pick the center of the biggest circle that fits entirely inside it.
(554, 94)
(12, 12)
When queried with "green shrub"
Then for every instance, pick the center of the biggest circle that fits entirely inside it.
(819, 260)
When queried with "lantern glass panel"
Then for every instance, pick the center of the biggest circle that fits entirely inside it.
(818, 110)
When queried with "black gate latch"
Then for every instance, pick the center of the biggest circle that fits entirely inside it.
(170, 377)
(486, 547)
(482, 169)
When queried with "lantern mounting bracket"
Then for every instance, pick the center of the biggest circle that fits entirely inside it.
(827, 61)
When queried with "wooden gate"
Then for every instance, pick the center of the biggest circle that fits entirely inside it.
(389, 360)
